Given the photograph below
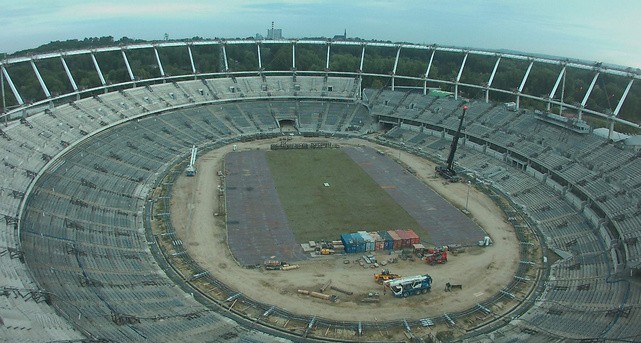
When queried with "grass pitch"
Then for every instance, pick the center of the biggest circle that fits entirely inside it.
(352, 202)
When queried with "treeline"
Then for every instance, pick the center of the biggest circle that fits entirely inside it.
(278, 57)
(75, 44)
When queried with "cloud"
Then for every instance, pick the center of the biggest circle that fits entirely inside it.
(107, 10)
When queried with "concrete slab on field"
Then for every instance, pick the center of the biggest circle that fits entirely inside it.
(444, 223)
(256, 222)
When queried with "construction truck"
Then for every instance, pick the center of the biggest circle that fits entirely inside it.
(411, 285)
(436, 256)
(385, 275)
(191, 168)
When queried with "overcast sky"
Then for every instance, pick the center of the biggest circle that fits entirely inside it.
(606, 31)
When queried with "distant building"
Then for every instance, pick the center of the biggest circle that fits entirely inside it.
(341, 37)
(274, 33)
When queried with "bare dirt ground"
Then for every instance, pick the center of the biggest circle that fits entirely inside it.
(481, 271)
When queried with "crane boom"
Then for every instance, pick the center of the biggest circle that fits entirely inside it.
(447, 171)
(450, 158)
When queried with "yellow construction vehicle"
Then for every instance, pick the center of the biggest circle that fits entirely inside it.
(385, 275)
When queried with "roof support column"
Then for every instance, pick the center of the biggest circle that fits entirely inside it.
(260, 58)
(489, 82)
(294, 56)
(398, 53)
(2, 94)
(70, 77)
(556, 85)
(520, 89)
(40, 80)
(587, 94)
(162, 71)
(97, 66)
(131, 73)
(360, 68)
(427, 72)
(12, 86)
(618, 108)
(562, 95)
(191, 60)
(225, 58)
(458, 77)
(327, 58)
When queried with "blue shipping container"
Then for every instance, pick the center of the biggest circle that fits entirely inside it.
(389, 242)
(349, 243)
(360, 242)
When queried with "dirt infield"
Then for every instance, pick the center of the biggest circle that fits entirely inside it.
(481, 271)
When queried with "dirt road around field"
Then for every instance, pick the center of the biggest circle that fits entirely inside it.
(481, 271)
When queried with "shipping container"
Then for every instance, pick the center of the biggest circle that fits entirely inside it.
(369, 240)
(396, 238)
(379, 243)
(349, 243)
(413, 236)
(389, 242)
(406, 239)
(360, 242)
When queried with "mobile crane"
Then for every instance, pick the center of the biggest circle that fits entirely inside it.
(411, 285)
(447, 171)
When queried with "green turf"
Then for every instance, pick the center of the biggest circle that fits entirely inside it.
(352, 202)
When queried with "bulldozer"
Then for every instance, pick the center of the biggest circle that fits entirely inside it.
(385, 275)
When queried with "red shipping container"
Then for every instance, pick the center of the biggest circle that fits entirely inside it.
(406, 241)
(396, 238)
(413, 236)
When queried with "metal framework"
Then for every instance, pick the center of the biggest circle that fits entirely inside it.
(599, 70)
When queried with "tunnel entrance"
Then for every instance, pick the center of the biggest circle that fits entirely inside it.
(287, 126)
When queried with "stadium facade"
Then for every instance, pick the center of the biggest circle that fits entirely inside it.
(80, 263)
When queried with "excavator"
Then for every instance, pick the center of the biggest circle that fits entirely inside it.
(385, 275)
(447, 171)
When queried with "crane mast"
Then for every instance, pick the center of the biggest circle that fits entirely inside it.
(447, 171)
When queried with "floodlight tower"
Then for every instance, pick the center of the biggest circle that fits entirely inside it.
(447, 171)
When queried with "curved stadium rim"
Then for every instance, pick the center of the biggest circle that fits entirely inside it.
(24, 110)
(391, 76)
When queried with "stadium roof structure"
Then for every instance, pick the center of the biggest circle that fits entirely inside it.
(597, 69)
